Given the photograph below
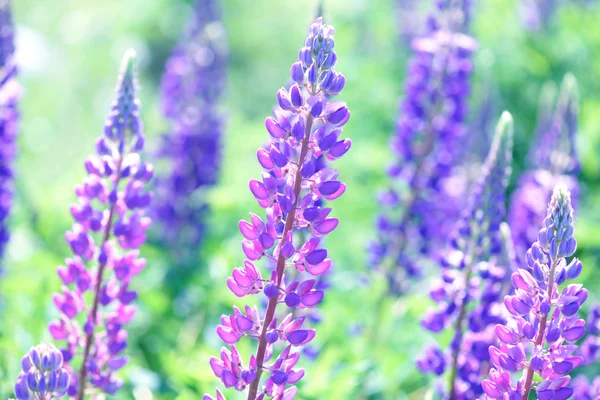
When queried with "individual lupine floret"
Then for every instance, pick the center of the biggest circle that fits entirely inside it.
(552, 160)
(42, 375)
(191, 87)
(473, 277)
(419, 209)
(109, 228)
(540, 336)
(10, 93)
(305, 134)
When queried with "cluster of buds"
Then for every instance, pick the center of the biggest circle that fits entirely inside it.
(42, 374)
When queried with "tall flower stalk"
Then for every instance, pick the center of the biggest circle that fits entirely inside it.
(191, 88)
(540, 336)
(306, 133)
(469, 293)
(552, 160)
(96, 300)
(10, 93)
(418, 210)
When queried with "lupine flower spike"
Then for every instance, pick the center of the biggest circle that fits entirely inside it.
(191, 87)
(552, 160)
(308, 129)
(419, 210)
(470, 291)
(109, 228)
(42, 375)
(10, 93)
(539, 339)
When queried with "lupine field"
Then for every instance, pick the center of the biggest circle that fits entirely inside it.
(210, 199)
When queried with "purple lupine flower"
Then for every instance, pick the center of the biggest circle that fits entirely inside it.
(42, 375)
(552, 159)
(586, 390)
(191, 87)
(590, 348)
(109, 228)
(540, 336)
(290, 191)
(420, 207)
(10, 93)
(473, 277)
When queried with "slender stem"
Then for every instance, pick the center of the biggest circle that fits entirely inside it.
(542, 329)
(100, 273)
(289, 223)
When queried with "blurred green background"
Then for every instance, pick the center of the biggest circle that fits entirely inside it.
(69, 54)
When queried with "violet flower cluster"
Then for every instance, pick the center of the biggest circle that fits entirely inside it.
(420, 208)
(42, 375)
(290, 191)
(553, 160)
(473, 277)
(10, 93)
(191, 88)
(540, 336)
(109, 228)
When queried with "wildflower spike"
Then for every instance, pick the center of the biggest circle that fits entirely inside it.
(110, 225)
(419, 209)
(191, 88)
(543, 326)
(10, 94)
(305, 135)
(474, 276)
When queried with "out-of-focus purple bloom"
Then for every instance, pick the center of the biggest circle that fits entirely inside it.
(191, 87)
(553, 160)
(304, 134)
(42, 374)
(420, 208)
(590, 348)
(474, 272)
(586, 390)
(540, 336)
(109, 227)
(10, 93)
